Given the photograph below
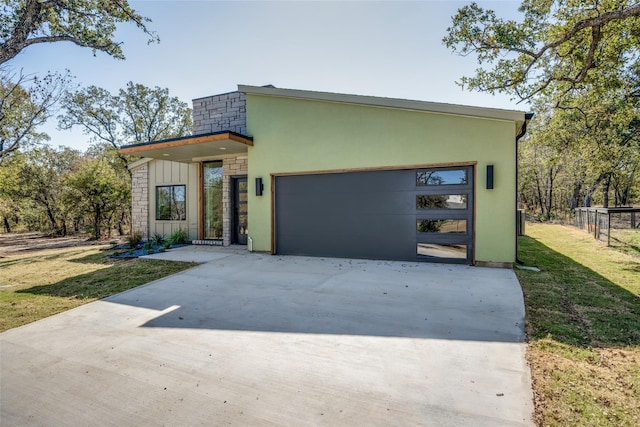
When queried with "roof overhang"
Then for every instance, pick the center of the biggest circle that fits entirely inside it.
(188, 148)
(404, 104)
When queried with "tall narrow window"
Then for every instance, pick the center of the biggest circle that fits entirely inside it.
(212, 200)
(171, 203)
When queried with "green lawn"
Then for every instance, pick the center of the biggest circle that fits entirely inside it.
(37, 285)
(626, 240)
(583, 324)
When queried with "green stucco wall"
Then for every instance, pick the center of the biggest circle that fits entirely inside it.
(293, 135)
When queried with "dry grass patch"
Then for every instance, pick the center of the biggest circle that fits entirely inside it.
(40, 284)
(583, 324)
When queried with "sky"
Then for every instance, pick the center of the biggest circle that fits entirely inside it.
(379, 48)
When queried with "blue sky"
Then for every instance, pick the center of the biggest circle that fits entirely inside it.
(380, 48)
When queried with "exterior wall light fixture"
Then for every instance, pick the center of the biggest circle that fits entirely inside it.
(259, 187)
(489, 177)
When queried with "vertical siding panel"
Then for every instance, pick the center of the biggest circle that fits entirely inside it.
(175, 173)
(184, 173)
(166, 171)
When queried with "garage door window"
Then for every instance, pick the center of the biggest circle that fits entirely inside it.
(431, 250)
(442, 201)
(442, 226)
(441, 177)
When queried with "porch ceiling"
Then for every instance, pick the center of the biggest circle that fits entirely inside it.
(185, 149)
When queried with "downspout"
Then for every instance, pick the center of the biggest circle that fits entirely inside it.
(523, 131)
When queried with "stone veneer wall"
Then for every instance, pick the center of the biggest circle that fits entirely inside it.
(231, 167)
(140, 200)
(225, 112)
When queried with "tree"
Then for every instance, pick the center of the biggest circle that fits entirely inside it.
(38, 176)
(559, 46)
(25, 103)
(136, 114)
(576, 63)
(571, 153)
(87, 23)
(101, 192)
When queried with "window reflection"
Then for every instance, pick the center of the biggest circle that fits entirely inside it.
(171, 202)
(442, 251)
(442, 226)
(442, 201)
(441, 177)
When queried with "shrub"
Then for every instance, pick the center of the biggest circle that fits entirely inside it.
(158, 239)
(135, 239)
(179, 237)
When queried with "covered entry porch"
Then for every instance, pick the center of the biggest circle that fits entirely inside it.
(196, 183)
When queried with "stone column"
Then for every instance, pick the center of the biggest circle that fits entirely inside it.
(140, 201)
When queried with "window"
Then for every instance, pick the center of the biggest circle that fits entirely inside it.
(171, 203)
(442, 251)
(441, 177)
(441, 201)
(442, 225)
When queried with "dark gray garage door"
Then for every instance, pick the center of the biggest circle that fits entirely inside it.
(417, 214)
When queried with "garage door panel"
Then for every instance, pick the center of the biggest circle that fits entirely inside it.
(347, 204)
(372, 214)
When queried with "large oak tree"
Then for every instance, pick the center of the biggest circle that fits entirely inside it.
(557, 45)
(135, 114)
(87, 23)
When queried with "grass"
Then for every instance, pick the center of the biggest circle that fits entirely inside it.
(626, 240)
(38, 285)
(583, 324)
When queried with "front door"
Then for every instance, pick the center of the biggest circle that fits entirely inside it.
(240, 211)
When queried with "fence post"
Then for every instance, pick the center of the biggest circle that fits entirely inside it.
(609, 230)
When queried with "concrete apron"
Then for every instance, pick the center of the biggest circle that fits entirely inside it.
(249, 339)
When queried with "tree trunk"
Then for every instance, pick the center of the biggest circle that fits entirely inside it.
(550, 195)
(96, 222)
(539, 193)
(121, 222)
(605, 191)
(52, 219)
(624, 194)
(592, 189)
(575, 197)
(7, 226)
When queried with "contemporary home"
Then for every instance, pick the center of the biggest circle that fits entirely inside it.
(324, 174)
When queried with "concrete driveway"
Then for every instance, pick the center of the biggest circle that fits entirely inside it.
(257, 340)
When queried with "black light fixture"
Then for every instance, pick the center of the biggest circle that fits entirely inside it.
(489, 177)
(259, 187)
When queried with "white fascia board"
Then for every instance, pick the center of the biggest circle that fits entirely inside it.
(404, 104)
(139, 163)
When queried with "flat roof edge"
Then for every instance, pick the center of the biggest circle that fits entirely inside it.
(180, 138)
(405, 104)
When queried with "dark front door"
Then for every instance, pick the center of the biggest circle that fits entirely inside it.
(240, 211)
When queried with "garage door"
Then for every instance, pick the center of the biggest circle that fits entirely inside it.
(417, 214)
